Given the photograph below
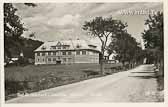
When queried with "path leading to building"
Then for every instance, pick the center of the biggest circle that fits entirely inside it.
(136, 85)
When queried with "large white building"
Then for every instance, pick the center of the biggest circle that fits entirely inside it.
(67, 52)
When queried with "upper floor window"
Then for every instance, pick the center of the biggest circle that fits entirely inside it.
(54, 53)
(63, 53)
(49, 53)
(43, 54)
(83, 52)
(77, 52)
(94, 53)
(38, 53)
(43, 48)
(69, 53)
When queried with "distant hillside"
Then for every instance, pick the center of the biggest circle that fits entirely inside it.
(28, 46)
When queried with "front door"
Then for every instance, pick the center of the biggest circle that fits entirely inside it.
(58, 62)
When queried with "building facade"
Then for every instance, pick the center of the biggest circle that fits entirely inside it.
(66, 52)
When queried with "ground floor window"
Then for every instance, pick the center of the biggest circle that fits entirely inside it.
(54, 59)
(49, 59)
(69, 59)
(64, 59)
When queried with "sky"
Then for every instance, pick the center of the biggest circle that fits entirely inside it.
(60, 21)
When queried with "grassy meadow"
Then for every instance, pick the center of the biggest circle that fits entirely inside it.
(33, 78)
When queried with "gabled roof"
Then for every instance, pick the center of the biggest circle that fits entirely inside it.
(73, 45)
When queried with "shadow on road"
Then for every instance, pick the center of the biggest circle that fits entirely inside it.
(142, 72)
(144, 77)
(149, 75)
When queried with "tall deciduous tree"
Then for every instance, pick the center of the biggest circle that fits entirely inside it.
(153, 39)
(125, 47)
(13, 29)
(103, 28)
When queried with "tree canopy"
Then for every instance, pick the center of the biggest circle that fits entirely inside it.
(153, 36)
(103, 28)
(153, 40)
(125, 47)
(13, 29)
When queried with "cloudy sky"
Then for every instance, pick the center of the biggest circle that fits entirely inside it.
(58, 21)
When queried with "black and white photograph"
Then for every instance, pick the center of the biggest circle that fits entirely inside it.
(79, 52)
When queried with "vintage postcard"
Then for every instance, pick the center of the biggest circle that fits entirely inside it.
(83, 52)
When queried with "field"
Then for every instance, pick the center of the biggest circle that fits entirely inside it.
(32, 78)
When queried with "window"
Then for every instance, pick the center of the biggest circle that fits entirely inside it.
(78, 46)
(77, 52)
(54, 59)
(49, 53)
(38, 53)
(38, 60)
(69, 59)
(43, 48)
(69, 53)
(64, 47)
(54, 47)
(54, 53)
(43, 60)
(94, 53)
(64, 59)
(49, 59)
(83, 52)
(59, 47)
(43, 54)
(64, 53)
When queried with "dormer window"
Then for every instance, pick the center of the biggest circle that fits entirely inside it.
(59, 47)
(59, 44)
(78, 46)
(43, 48)
(64, 47)
(38, 53)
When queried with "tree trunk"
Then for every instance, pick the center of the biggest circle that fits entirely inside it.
(161, 68)
(102, 67)
(123, 64)
(102, 61)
